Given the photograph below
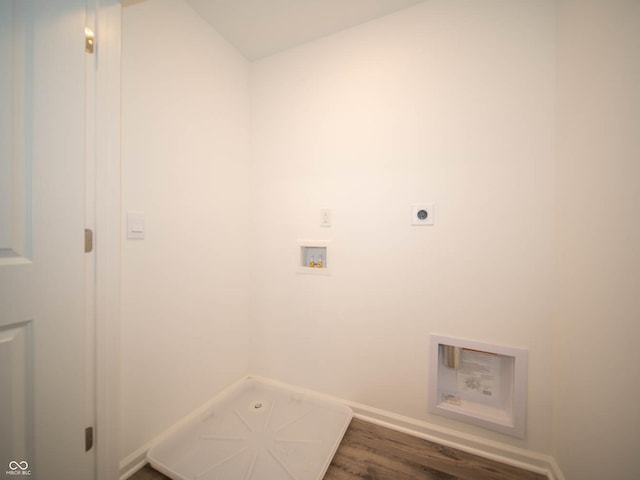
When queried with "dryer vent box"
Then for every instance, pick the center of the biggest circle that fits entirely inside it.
(478, 383)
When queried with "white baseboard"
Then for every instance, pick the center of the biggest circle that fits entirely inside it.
(503, 453)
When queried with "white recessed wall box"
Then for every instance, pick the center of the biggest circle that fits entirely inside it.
(478, 383)
(422, 214)
(313, 257)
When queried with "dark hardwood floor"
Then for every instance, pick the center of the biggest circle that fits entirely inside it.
(371, 452)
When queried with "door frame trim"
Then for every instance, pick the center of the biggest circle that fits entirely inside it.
(108, 84)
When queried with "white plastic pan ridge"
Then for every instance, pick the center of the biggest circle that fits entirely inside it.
(256, 431)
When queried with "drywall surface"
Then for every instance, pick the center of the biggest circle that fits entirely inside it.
(450, 102)
(596, 415)
(185, 165)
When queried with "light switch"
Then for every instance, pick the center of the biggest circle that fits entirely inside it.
(325, 217)
(135, 225)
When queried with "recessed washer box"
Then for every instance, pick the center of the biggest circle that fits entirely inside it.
(478, 383)
(313, 257)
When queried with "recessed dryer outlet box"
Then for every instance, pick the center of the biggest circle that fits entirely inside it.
(478, 383)
(422, 214)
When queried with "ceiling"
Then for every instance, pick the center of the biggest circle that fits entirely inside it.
(258, 28)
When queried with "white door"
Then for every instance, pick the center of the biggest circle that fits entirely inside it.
(43, 351)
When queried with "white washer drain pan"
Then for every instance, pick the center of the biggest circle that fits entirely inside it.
(256, 431)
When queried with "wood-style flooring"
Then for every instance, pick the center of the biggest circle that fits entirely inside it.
(372, 452)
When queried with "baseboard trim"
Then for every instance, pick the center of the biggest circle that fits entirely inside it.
(500, 452)
(519, 458)
(503, 453)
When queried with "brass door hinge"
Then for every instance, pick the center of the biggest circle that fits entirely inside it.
(89, 40)
(88, 439)
(88, 240)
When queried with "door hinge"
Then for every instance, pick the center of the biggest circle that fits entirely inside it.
(89, 40)
(88, 240)
(88, 439)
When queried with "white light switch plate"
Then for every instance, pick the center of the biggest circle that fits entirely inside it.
(325, 217)
(135, 225)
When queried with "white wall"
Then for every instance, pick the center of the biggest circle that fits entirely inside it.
(185, 164)
(596, 414)
(451, 102)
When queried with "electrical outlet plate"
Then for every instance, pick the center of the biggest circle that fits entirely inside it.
(422, 214)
